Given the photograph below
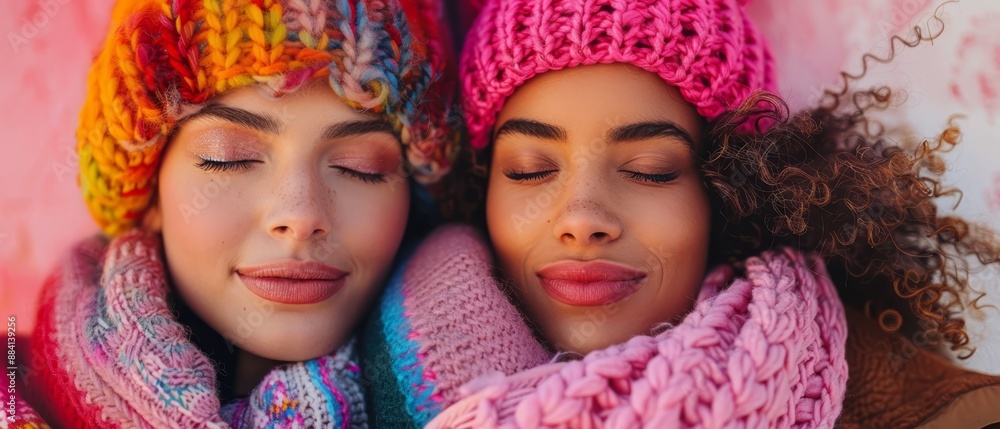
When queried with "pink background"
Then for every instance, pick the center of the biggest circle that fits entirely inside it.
(48, 44)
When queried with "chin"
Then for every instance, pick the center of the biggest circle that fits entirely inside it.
(587, 335)
(284, 347)
(583, 338)
(585, 348)
(286, 355)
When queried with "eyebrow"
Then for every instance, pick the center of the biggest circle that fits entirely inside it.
(356, 128)
(622, 134)
(269, 124)
(239, 117)
(648, 130)
(531, 128)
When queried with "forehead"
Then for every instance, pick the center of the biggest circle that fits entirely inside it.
(592, 99)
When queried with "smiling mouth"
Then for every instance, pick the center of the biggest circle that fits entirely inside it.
(580, 283)
(293, 282)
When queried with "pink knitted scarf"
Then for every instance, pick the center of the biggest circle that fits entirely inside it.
(763, 349)
(117, 358)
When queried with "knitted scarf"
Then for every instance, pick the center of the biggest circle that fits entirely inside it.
(762, 349)
(117, 358)
(23, 416)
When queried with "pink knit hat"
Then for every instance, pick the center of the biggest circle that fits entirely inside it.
(707, 48)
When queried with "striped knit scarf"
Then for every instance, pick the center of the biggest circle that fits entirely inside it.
(764, 349)
(117, 358)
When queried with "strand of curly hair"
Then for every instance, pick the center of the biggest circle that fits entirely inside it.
(834, 180)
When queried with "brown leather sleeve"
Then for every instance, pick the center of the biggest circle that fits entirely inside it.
(892, 383)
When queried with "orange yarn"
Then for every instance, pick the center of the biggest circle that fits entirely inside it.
(161, 55)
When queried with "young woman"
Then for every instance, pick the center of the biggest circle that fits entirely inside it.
(250, 164)
(663, 221)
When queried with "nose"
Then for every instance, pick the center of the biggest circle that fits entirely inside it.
(300, 207)
(585, 222)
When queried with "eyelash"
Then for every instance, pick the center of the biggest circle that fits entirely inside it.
(652, 178)
(527, 177)
(222, 166)
(213, 165)
(362, 176)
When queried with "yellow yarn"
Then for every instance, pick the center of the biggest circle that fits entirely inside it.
(117, 161)
(191, 55)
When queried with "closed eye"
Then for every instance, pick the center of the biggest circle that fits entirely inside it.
(651, 178)
(361, 175)
(215, 165)
(525, 177)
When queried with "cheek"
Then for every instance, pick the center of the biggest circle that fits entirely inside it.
(512, 223)
(201, 237)
(675, 229)
(198, 209)
(371, 222)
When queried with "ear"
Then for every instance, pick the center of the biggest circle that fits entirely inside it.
(152, 219)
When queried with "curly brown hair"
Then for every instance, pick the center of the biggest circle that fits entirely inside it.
(836, 184)
(832, 180)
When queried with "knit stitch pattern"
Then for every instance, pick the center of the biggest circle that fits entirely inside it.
(709, 49)
(163, 59)
(762, 351)
(441, 322)
(105, 363)
(117, 358)
(319, 393)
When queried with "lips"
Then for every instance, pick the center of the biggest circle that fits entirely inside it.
(293, 282)
(592, 283)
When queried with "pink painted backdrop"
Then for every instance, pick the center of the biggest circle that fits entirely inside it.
(48, 45)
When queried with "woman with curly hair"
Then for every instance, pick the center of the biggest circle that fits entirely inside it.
(685, 252)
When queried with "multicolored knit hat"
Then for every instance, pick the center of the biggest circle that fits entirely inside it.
(709, 49)
(163, 59)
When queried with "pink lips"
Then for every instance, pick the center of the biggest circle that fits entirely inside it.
(293, 282)
(589, 283)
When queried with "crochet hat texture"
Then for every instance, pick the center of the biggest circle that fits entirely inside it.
(163, 59)
(709, 49)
